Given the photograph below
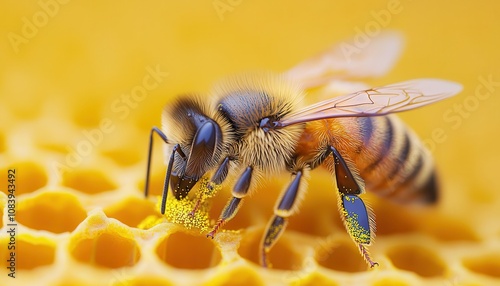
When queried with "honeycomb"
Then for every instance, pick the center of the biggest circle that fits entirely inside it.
(81, 84)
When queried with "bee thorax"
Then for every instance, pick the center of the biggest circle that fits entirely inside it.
(271, 150)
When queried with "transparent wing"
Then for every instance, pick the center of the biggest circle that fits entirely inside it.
(377, 101)
(359, 57)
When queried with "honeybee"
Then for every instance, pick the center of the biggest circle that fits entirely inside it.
(256, 125)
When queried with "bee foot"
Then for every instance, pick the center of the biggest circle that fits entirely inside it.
(215, 229)
(264, 261)
(366, 256)
(195, 209)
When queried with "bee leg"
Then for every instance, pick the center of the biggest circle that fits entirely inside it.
(240, 190)
(217, 179)
(282, 211)
(177, 149)
(356, 216)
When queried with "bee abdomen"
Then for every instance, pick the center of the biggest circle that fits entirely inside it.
(394, 163)
(415, 181)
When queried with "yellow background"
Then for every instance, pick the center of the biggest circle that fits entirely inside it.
(89, 53)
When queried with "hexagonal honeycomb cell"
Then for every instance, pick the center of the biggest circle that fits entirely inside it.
(78, 99)
(27, 245)
(54, 211)
(484, 264)
(31, 176)
(87, 181)
(111, 246)
(172, 251)
(417, 259)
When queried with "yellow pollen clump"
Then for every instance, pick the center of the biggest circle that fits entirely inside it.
(191, 213)
(179, 211)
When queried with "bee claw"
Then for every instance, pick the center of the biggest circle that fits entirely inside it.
(264, 262)
(195, 209)
(215, 229)
(366, 256)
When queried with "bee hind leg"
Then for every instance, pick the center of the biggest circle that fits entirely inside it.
(357, 218)
(285, 207)
(240, 190)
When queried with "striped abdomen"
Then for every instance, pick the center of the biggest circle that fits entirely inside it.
(387, 154)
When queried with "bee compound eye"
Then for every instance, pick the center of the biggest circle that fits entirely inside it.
(204, 142)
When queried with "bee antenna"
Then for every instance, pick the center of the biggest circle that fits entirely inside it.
(150, 153)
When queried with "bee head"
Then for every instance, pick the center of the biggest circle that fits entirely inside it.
(199, 138)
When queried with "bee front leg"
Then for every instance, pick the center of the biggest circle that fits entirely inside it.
(357, 218)
(240, 190)
(287, 206)
(218, 177)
